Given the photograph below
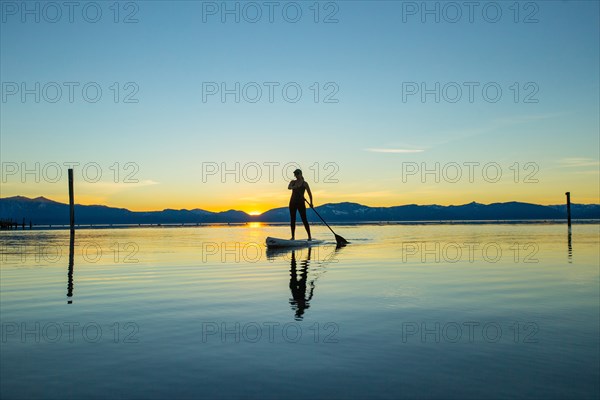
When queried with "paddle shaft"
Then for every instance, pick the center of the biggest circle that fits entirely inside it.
(321, 218)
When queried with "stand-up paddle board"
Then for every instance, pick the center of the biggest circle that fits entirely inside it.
(282, 243)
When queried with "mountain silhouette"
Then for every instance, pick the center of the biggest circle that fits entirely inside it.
(43, 211)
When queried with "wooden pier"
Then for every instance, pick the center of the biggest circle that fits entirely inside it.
(9, 224)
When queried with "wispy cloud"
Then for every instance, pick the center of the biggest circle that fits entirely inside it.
(521, 119)
(579, 162)
(147, 182)
(118, 186)
(381, 150)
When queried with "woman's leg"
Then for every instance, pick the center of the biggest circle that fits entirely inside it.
(293, 220)
(304, 220)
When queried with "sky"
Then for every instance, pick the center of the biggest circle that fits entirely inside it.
(212, 105)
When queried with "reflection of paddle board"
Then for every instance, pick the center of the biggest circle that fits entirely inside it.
(282, 243)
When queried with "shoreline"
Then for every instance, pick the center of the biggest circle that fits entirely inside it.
(349, 223)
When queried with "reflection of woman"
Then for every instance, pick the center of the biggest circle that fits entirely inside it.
(299, 301)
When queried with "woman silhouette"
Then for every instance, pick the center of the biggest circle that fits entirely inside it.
(298, 186)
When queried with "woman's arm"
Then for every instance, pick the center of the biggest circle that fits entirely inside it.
(309, 193)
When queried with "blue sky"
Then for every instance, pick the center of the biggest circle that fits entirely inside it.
(369, 55)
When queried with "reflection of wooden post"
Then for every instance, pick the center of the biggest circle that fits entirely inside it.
(70, 274)
(72, 236)
(568, 208)
(71, 201)
(569, 247)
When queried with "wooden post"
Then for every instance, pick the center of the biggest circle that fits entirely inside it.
(568, 208)
(71, 201)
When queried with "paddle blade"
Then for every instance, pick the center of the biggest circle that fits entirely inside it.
(340, 240)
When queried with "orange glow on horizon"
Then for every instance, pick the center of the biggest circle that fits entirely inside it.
(252, 209)
(256, 207)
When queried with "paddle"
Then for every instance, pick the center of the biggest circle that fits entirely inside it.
(340, 240)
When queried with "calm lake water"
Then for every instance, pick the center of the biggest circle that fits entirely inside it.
(404, 311)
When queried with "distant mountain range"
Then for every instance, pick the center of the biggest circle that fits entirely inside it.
(43, 211)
